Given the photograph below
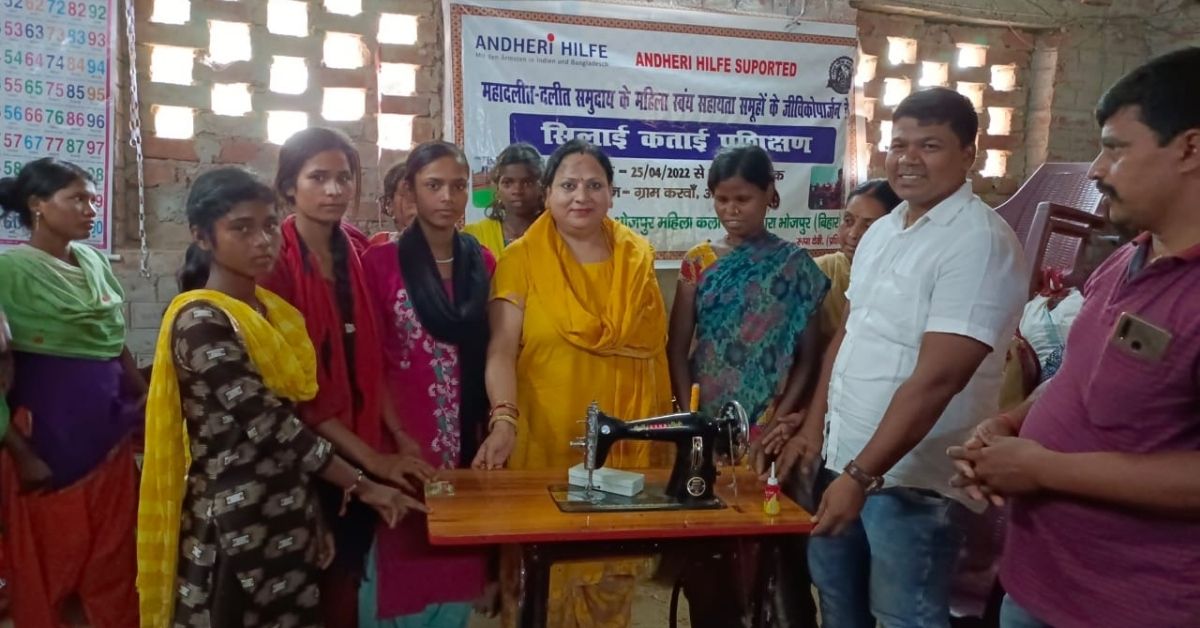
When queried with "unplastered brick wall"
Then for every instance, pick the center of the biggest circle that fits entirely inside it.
(227, 81)
(1092, 55)
(993, 67)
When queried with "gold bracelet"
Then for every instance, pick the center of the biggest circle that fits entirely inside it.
(502, 418)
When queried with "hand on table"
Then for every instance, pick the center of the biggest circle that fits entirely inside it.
(496, 448)
(803, 448)
(390, 503)
(409, 472)
(771, 443)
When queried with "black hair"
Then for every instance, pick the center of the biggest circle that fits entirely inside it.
(878, 189)
(40, 178)
(519, 154)
(294, 153)
(750, 162)
(302, 146)
(391, 182)
(940, 105)
(427, 153)
(1163, 92)
(212, 196)
(575, 147)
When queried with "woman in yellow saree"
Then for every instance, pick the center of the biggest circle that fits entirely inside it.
(576, 316)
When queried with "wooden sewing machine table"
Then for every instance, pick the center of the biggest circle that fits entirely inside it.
(509, 507)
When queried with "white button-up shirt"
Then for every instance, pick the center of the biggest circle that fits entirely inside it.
(959, 270)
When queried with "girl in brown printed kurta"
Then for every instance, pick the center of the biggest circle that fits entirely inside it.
(246, 544)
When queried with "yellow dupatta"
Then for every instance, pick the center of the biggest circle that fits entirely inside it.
(631, 324)
(490, 234)
(280, 349)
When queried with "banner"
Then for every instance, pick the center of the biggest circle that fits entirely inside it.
(57, 101)
(661, 91)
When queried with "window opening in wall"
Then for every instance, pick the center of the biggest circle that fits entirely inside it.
(397, 79)
(866, 69)
(895, 90)
(999, 120)
(231, 99)
(864, 107)
(173, 123)
(289, 75)
(344, 7)
(973, 91)
(971, 56)
(395, 131)
(283, 124)
(901, 50)
(171, 64)
(343, 104)
(343, 51)
(171, 11)
(885, 135)
(996, 163)
(228, 41)
(1004, 78)
(397, 28)
(287, 17)
(934, 74)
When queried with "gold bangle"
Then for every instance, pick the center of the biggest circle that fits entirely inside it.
(502, 418)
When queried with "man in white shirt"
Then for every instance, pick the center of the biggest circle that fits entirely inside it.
(935, 294)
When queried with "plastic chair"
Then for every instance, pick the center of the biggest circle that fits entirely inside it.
(1061, 183)
(1057, 238)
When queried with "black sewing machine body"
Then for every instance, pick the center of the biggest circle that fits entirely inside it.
(698, 440)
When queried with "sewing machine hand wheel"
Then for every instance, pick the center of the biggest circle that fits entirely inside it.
(735, 415)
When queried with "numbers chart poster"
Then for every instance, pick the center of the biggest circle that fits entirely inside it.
(58, 58)
(661, 90)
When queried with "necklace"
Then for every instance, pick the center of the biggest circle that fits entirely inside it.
(444, 261)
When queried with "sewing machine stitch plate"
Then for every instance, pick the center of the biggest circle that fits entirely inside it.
(572, 499)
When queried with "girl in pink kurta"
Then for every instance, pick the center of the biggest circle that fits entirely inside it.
(431, 287)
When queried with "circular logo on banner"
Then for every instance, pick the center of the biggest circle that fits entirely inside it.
(696, 486)
(841, 75)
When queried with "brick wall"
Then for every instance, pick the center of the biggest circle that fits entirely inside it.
(172, 163)
(1174, 25)
(1053, 115)
(939, 53)
(1091, 57)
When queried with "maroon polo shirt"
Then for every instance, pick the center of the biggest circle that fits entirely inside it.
(1072, 563)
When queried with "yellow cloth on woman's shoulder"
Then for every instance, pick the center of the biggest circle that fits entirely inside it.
(280, 349)
(592, 332)
(490, 233)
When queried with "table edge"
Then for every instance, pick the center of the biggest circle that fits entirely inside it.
(584, 536)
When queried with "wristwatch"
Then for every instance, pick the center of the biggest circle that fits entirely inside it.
(870, 483)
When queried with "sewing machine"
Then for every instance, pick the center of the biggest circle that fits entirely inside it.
(698, 439)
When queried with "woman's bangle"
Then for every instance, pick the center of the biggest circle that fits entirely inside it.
(348, 492)
(502, 418)
(512, 409)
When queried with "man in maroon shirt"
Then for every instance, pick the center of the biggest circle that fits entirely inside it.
(1104, 479)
